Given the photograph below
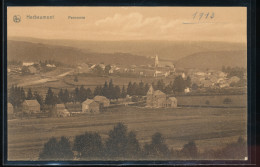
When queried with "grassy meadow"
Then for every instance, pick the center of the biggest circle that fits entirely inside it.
(210, 128)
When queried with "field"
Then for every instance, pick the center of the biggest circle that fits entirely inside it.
(216, 101)
(208, 127)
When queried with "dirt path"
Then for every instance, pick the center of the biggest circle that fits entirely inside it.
(47, 79)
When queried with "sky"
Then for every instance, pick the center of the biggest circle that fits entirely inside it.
(227, 24)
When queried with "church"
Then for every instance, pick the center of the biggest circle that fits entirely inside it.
(158, 99)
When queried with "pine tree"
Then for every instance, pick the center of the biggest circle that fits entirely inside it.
(66, 96)
(22, 94)
(135, 89)
(130, 89)
(38, 98)
(50, 99)
(89, 94)
(179, 84)
(82, 94)
(123, 94)
(29, 95)
(117, 92)
(160, 85)
(105, 90)
(141, 90)
(76, 95)
(111, 91)
(61, 95)
(188, 82)
(98, 91)
(146, 88)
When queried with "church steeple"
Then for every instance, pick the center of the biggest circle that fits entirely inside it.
(156, 63)
(150, 91)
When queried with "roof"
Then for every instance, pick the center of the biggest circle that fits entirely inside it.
(158, 92)
(88, 101)
(172, 98)
(31, 102)
(150, 91)
(9, 105)
(60, 105)
(100, 98)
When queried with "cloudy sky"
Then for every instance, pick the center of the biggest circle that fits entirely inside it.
(131, 23)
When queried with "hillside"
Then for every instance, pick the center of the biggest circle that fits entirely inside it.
(214, 60)
(170, 50)
(29, 51)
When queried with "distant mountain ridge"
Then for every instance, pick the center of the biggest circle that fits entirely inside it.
(168, 50)
(28, 51)
(201, 55)
(214, 60)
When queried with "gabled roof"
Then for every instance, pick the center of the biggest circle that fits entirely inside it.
(100, 98)
(158, 92)
(88, 101)
(172, 98)
(31, 102)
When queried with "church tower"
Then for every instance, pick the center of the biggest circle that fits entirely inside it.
(156, 63)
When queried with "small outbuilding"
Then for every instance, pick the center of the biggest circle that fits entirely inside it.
(90, 106)
(61, 111)
(171, 102)
(30, 106)
(10, 108)
(102, 100)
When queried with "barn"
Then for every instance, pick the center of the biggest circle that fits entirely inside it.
(61, 111)
(102, 100)
(30, 106)
(90, 106)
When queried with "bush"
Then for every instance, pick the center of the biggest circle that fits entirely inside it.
(116, 144)
(234, 151)
(207, 102)
(227, 101)
(157, 148)
(122, 144)
(57, 150)
(190, 150)
(88, 145)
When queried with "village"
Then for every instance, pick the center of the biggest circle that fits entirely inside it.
(186, 82)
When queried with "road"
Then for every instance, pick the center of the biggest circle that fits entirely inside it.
(44, 80)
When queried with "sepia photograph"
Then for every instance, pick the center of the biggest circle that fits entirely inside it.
(127, 83)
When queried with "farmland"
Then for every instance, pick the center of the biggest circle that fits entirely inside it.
(208, 127)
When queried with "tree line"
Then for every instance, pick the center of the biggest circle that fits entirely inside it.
(234, 71)
(17, 95)
(124, 145)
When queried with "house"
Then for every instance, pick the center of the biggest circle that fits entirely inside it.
(28, 63)
(234, 79)
(171, 102)
(157, 74)
(158, 99)
(102, 100)
(32, 69)
(187, 90)
(61, 111)
(90, 106)
(30, 106)
(50, 65)
(10, 108)
(83, 68)
(155, 98)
